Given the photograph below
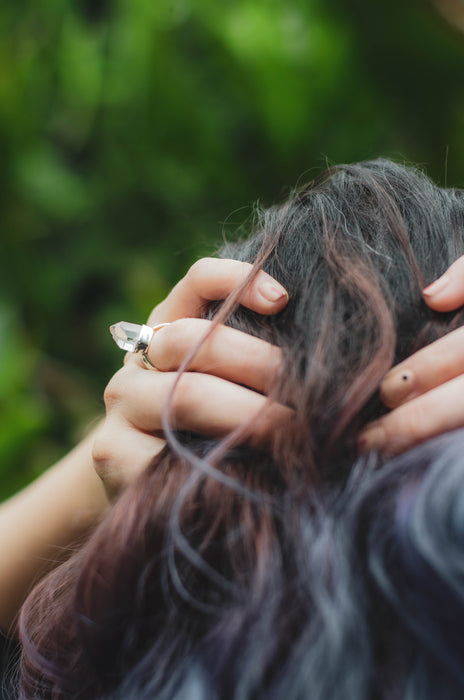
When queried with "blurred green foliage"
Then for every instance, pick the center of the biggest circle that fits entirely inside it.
(133, 133)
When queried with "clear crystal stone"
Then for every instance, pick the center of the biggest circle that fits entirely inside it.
(126, 335)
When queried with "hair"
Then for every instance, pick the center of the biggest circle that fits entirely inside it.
(300, 570)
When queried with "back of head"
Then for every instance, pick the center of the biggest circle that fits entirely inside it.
(354, 249)
(251, 577)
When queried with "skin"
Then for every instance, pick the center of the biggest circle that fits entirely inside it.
(40, 524)
(425, 391)
(224, 388)
(210, 398)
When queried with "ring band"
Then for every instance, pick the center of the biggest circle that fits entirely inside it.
(143, 340)
(135, 338)
(146, 361)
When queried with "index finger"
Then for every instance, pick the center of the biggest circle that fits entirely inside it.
(447, 292)
(211, 279)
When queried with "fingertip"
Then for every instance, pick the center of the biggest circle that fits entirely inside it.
(372, 437)
(397, 386)
(273, 293)
(434, 290)
(447, 292)
(268, 296)
(446, 300)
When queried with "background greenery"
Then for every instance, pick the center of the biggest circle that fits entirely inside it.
(133, 133)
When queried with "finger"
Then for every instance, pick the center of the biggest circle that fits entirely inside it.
(120, 452)
(200, 403)
(433, 413)
(447, 292)
(212, 279)
(429, 367)
(226, 353)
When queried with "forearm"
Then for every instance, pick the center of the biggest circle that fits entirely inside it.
(39, 522)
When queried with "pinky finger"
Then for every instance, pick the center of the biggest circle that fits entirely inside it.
(120, 452)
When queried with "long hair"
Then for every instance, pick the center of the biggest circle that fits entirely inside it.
(298, 570)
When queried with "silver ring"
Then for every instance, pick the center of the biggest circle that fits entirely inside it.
(146, 361)
(135, 338)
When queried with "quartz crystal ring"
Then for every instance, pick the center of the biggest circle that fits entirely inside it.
(135, 338)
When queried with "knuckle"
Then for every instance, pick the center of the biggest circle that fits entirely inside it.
(111, 395)
(175, 342)
(200, 269)
(114, 458)
(115, 388)
(107, 463)
(166, 347)
(416, 422)
(102, 454)
(410, 424)
(185, 398)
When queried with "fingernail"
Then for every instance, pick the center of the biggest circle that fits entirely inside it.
(436, 287)
(396, 386)
(372, 438)
(272, 291)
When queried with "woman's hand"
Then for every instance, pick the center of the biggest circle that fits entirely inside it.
(225, 386)
(426, 390)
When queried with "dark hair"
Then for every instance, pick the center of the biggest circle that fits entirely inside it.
(299, 571)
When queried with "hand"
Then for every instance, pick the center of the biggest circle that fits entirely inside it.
(426, 390)
(209, 398)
